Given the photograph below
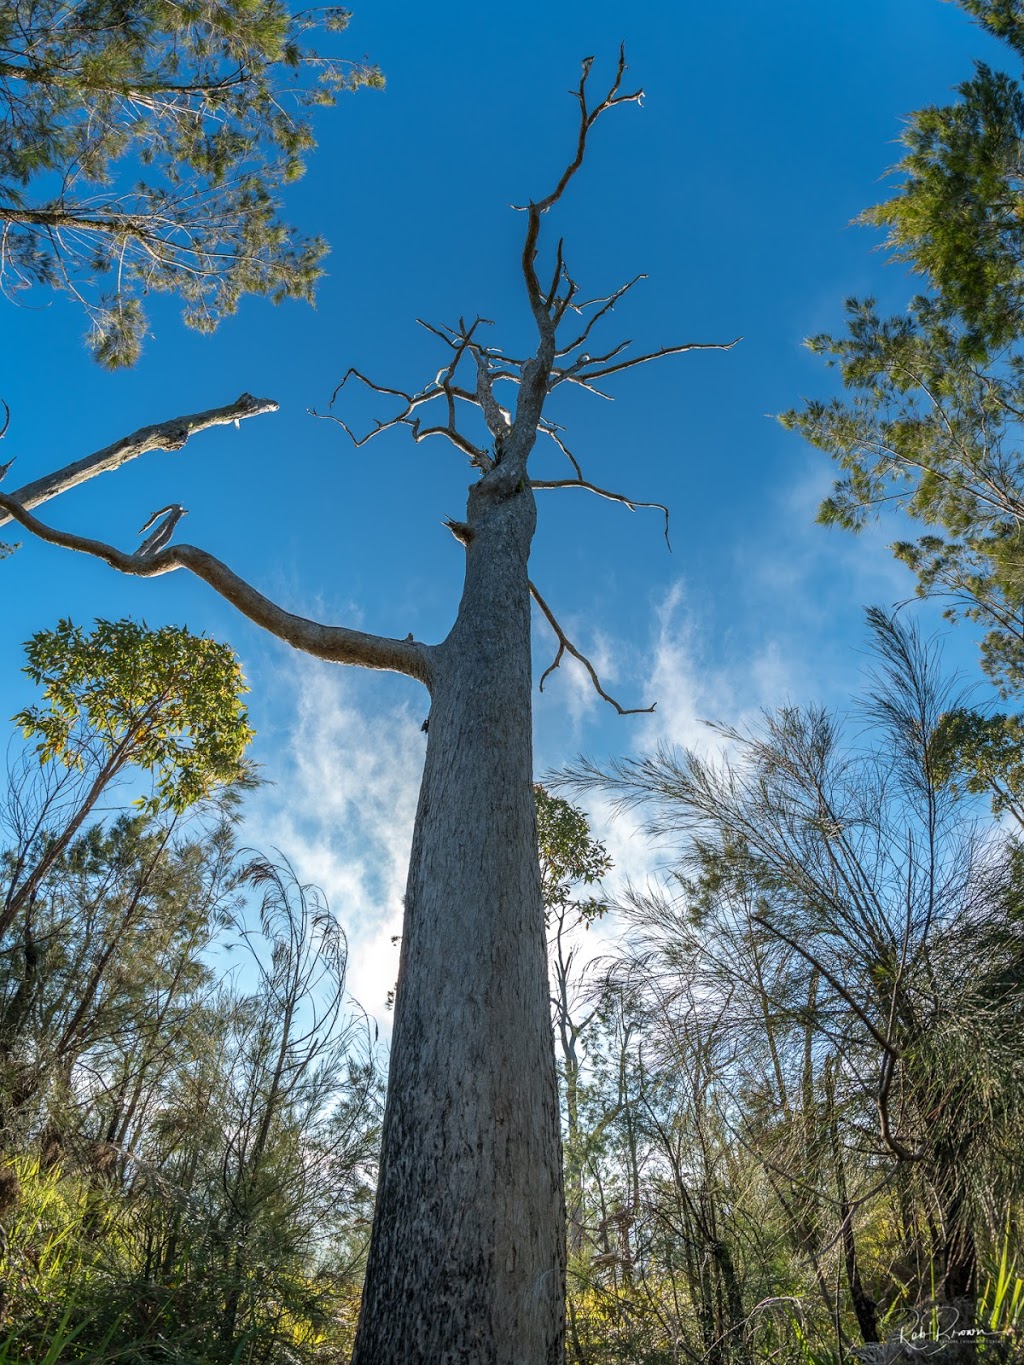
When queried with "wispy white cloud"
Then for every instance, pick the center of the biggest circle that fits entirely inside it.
(701, 674)
(346, 767)
(341, 809)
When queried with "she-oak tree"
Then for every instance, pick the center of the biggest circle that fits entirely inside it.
(142, 148)
(467, 1254)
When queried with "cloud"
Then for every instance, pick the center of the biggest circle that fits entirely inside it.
(700, 673)
(341, 808)
(347, 761)
(692, 684)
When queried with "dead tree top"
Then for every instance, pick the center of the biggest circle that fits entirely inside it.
(473, 380)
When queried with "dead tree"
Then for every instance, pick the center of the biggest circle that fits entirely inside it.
(467, 1253)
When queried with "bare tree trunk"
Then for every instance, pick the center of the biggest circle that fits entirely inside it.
(468, 1224)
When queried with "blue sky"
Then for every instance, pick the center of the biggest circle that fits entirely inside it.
(764, 131)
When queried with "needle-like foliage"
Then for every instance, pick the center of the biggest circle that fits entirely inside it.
(931, 424)
(143, 148)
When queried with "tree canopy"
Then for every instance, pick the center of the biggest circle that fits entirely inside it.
(164, 700)
(932, 423)
(143, 149)
(569, 857)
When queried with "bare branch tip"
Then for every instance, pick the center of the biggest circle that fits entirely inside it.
(260, 405)
(341, 384)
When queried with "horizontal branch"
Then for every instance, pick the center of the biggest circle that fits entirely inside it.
(586, 376)
(631, 503)
(170, 435)
(566, 646)
(338, 644)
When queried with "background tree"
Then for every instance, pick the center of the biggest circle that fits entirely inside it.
(104, 921)
(165, 702)
(954, 219)
(822, 946)
(569, 858)
(933, 426)
(144, 147)
(467, 1253)
(187, 1152)
(289, 1047)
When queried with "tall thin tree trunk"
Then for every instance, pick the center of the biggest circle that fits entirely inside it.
(469, 1221)
(467, 1254)
(573, 1156)
(864, 1305)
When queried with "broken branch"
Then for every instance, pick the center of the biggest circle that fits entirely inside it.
(170, 435)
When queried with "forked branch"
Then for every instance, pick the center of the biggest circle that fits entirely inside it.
(442, 386)
(607, 303)
(338, 644)
(566, 646)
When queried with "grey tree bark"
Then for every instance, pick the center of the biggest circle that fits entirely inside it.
(469, 1204)
(467, 1255)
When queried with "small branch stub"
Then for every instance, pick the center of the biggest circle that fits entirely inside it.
(163, 533)
(461, 530)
